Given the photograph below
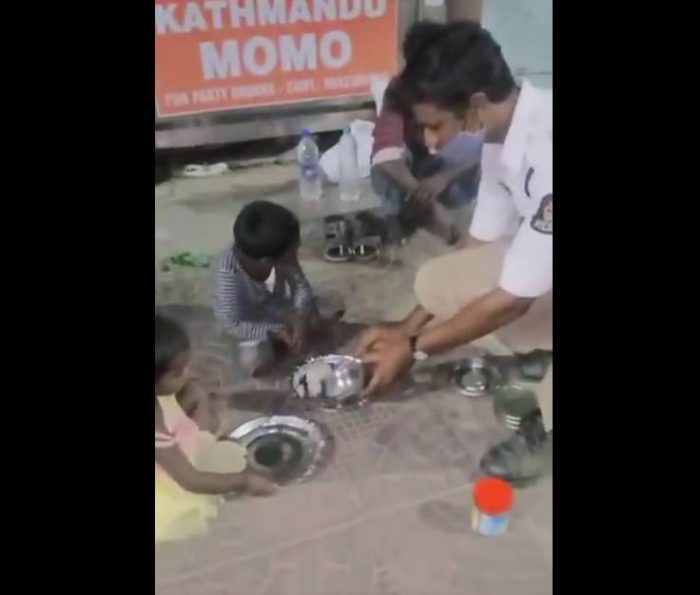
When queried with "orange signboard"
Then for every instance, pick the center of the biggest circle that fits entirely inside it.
(216, 55)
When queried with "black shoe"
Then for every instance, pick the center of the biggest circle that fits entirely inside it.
(533, 365)
(368, 224)
(523, 458)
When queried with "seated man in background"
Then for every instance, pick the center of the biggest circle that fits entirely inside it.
(261, 291)
(419, 171)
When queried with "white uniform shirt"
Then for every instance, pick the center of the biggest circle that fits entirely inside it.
(516, 193)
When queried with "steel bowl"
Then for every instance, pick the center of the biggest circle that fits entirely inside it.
(336, 381)
(286, 448)
(476, 377)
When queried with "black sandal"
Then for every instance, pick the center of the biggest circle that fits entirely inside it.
(338, 251)
(367, 248)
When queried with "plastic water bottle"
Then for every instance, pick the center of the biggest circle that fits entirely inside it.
(349, 169)
(309, 170)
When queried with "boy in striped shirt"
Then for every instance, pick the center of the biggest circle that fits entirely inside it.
(261, 290)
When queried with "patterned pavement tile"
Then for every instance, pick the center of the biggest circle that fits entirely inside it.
(389, 515)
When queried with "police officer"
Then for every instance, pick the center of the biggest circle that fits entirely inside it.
(502, 282)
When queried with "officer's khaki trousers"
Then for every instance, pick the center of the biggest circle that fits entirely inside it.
(447, 283)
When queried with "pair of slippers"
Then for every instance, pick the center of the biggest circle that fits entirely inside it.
(351, 238)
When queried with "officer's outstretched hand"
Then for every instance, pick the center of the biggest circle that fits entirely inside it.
(389, 358)
(389, 332)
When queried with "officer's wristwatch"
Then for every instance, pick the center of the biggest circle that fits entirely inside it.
(419, 356)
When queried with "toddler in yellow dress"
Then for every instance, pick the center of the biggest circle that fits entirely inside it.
(193, 469)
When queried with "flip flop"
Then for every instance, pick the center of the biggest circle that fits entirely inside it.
(338, 232)
(369, 224)
(367, 248)
(338, 251)
(337, 227)
(204, 171)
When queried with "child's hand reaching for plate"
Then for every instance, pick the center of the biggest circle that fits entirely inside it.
(257, 485)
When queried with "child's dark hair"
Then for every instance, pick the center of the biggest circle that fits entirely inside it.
(454, 63)
(418, 36)
(171, 341)
(265, 230)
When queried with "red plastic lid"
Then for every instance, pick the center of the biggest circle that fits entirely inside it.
(493, 496)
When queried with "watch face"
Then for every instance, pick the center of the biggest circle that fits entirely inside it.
(420, 356)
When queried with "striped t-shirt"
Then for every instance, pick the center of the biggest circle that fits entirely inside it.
(247, 309)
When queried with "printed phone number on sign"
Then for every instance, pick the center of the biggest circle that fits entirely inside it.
(304, 86)
(215, 96)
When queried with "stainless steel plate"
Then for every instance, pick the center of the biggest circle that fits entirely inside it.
(475, 377)
(288, 448)
(336, 381)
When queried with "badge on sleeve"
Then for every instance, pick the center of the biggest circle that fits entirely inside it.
(543, 220)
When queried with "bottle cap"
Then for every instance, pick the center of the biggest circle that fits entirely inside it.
(493, 496)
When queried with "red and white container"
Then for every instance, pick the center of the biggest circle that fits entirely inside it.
(493, 503)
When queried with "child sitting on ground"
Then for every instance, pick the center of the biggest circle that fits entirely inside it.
(261, 291)
(193, 469)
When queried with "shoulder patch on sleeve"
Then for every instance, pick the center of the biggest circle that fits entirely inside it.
(543, 220)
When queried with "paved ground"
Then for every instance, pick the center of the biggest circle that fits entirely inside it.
(390, 513)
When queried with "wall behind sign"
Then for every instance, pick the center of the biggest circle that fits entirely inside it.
(524, 30)
(216, 55)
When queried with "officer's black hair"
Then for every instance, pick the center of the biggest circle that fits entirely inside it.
(265, 230)
(171, 341)
(456, 61)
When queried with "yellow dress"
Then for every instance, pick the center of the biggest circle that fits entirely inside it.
(180, 513)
